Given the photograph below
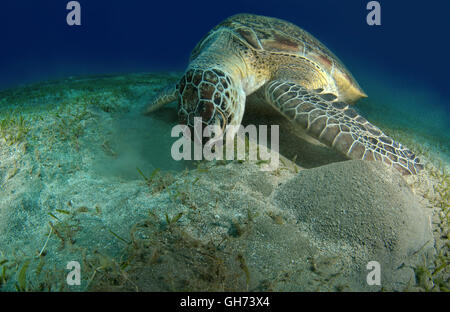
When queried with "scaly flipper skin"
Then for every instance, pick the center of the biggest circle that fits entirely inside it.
(167, 95)
(333, 123)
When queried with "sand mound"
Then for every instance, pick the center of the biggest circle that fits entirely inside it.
(364, 209)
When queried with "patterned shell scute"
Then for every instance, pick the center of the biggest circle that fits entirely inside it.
(274, 35)
(269, 34)
(277, 36)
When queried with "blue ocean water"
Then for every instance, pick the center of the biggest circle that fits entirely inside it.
(109, 183)
(139, 35)
(406, 54)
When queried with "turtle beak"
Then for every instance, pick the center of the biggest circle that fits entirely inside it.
(195, 130)
(216, 130)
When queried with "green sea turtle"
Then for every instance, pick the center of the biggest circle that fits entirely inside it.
(286, 67)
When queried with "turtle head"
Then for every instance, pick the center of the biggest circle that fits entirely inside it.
(210, 94)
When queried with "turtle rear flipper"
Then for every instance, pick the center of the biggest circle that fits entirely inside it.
(333, 123)
(165, 96)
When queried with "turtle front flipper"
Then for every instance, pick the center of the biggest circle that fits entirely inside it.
(333, 123)
(166, 96)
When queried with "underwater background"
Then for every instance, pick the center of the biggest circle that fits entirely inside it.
(402, 64)
(85, 177)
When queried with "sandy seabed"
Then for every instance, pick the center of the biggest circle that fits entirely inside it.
(85, 177)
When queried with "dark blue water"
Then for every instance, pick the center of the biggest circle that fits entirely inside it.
(410, 48)
(132, 35)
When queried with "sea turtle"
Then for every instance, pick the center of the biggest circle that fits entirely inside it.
(288, 68)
